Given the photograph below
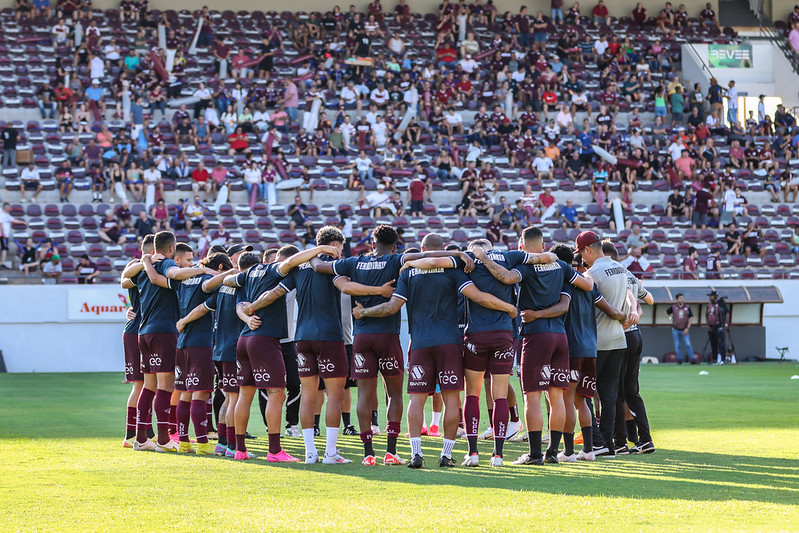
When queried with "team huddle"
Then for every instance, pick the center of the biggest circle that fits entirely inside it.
(223, 332)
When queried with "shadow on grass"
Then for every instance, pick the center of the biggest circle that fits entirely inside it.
(666, 474)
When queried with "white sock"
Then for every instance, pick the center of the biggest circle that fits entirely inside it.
(416, 445)
(446, 450)
(436, 418)
(307, 436)
(332, 436)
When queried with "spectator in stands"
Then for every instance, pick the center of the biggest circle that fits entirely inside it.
(45, 99)
(195, 214)
(86, 270)
(298, 212)
(638, 265)
(635, 241)
(690, 269)
(201, 181)
(494, 231)
(96, 94)
(239, 142)
(751, 240)
(600, 13)
(417, 195)
(290, 99)
(568, 216)
(708, 17)
(703, 204)
(676, 205)
(144, 225)
(793, 36)
(547, 203)
(253, 181)
(152, 178)
(110, 231)
(8, 159)
(52, 270)
(734, 240)
(28, 261)
(31, 181)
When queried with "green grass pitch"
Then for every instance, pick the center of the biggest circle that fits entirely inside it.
(726, 460)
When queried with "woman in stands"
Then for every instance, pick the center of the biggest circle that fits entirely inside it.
(82, 117)
(640, 14)
(135, 181)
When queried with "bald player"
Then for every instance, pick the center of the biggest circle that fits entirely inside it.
(434, 356)
(544, 294)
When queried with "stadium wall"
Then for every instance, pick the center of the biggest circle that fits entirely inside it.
(617, 8)
(79, 328)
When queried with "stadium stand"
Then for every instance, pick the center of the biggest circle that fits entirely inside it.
(94, 90)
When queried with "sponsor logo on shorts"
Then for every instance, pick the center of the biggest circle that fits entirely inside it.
(389, 364)
(261, 374)
(560, 375)
(546, 372)
(471, 347)
(575, 376)
(502, 355)
(588, 383)
(238, 367)
(448, 377)
(359, 360)
(417, 372)
(178, 371)
(128, 368)
(192, 380)
(301, 360)
(326, 365)
(155, 360)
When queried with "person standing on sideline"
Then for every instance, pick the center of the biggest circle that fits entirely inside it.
(681, 319)
(716, 320)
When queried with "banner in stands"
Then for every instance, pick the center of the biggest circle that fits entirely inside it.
(101, 303)
(730, 55)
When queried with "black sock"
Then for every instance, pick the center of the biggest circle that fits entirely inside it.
(222, 438)
(514, 413)
(498, 444)
(262, 400)
(391, 447)
(554, 442)
(472, 444)
(150, 432)
(534, 440)
(219, 399)
(368, 449)
(374, 418)
(568, 443)
(345, 417)
(316, 421)
(588, 439)
(130, 433)
(632, 431)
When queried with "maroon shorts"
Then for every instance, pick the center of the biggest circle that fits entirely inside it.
(583, 372)
(373, 352)
(260, 363)
(488, 350)
(227, 376)
(194, 369)
(545, 362)
(130, 342)
(437, 365)
(327, 359)
(158, 351)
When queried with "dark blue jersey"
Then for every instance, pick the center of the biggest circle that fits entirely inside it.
(581, 322)
(255, 281)
(481, 318)
(372, 270)
(540, 288)
(199, 333)
(132, 326)
(159, 306)
(319, 306)
(228, 323)
(432, 301)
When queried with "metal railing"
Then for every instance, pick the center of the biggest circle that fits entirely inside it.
(776, 37)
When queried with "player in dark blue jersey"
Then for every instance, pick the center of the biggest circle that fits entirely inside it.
(488, 346)
(158, 337)
(434, 357)
(130, 343)
(581, 334)
(258, 352)
(227, 327)
(545, 352)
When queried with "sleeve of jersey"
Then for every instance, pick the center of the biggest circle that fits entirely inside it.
(515, 257)
(288, 283)
(596, 295)
(402, 286)
(211, 301)
(343, 267)
(461, 279)
(241, 278)
(566, 289)
(569, 274)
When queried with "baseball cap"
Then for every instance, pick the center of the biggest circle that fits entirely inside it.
(586, 238)
(55, 257)
(236, 248)
(96, 81)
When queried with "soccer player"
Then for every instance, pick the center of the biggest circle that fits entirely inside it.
(629, 389)
(434, 356)
(581, 334)
(376, 345)
(611, 279)
(158, 338)
(130, 343)
(488, 346)
(544, 295)
(258, 354)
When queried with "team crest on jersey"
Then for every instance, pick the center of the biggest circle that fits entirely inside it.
(417, 372)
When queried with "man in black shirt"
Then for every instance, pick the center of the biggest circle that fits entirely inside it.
(676, 204)
(575, 168)
(45, 99)
(9, 156)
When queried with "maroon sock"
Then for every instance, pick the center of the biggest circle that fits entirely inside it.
(231, 437)
(183, 415)
(471, 414)
(162, 413)
(130, 422)
(501, 415)
(491, 417)
(274, 443)
(173, 418)
(144, 411)
(241, 445)
(200, 420)
(209, 413)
